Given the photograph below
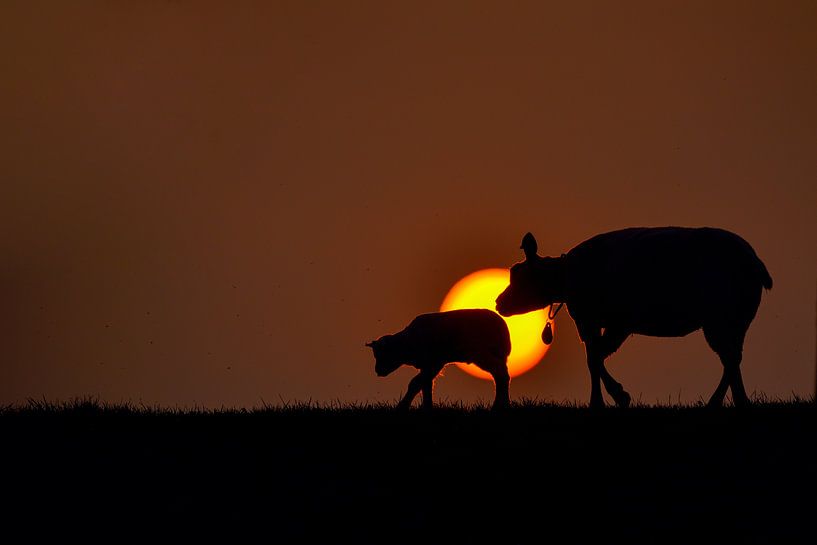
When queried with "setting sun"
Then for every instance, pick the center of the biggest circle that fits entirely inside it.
(480, 290)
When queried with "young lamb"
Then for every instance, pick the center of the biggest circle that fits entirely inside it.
(431, 341)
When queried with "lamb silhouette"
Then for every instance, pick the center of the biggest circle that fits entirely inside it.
(431, 341)
(661, 282)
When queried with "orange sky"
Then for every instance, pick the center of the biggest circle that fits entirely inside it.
(214, 203)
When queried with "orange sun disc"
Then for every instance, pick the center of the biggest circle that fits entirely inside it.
(480, 290)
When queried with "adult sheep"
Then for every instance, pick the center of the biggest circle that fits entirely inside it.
(661, 282)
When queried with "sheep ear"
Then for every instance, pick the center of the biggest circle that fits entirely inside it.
(529, 245)
(370, 344)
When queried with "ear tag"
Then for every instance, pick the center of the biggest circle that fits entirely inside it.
(547, 334)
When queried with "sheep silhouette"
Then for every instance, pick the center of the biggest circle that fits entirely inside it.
(431, 341)
(660, 282)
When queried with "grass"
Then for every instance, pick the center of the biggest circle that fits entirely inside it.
(95, 405)
(362, 473)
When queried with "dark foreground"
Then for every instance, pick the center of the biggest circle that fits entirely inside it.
(536, 474)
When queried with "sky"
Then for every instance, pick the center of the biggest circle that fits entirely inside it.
(217, 204)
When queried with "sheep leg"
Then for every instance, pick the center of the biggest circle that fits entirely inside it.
(502, 382)
(497, 366)
(739, 396)
(595, 364)
(727, 342)
(428, 374)
(414, 387)
(611, 340)
(731, 370)
(596, 399)
(615, 389)
(717, 397)
(428, 388)
(591, 336)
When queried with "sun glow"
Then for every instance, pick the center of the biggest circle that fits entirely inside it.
(480, 290)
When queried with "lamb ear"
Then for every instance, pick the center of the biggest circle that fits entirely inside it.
(529, 245)
(370, 344)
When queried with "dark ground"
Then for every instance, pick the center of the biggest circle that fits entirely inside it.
(536, 474)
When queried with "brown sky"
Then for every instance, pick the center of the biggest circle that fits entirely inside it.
(218, 203)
